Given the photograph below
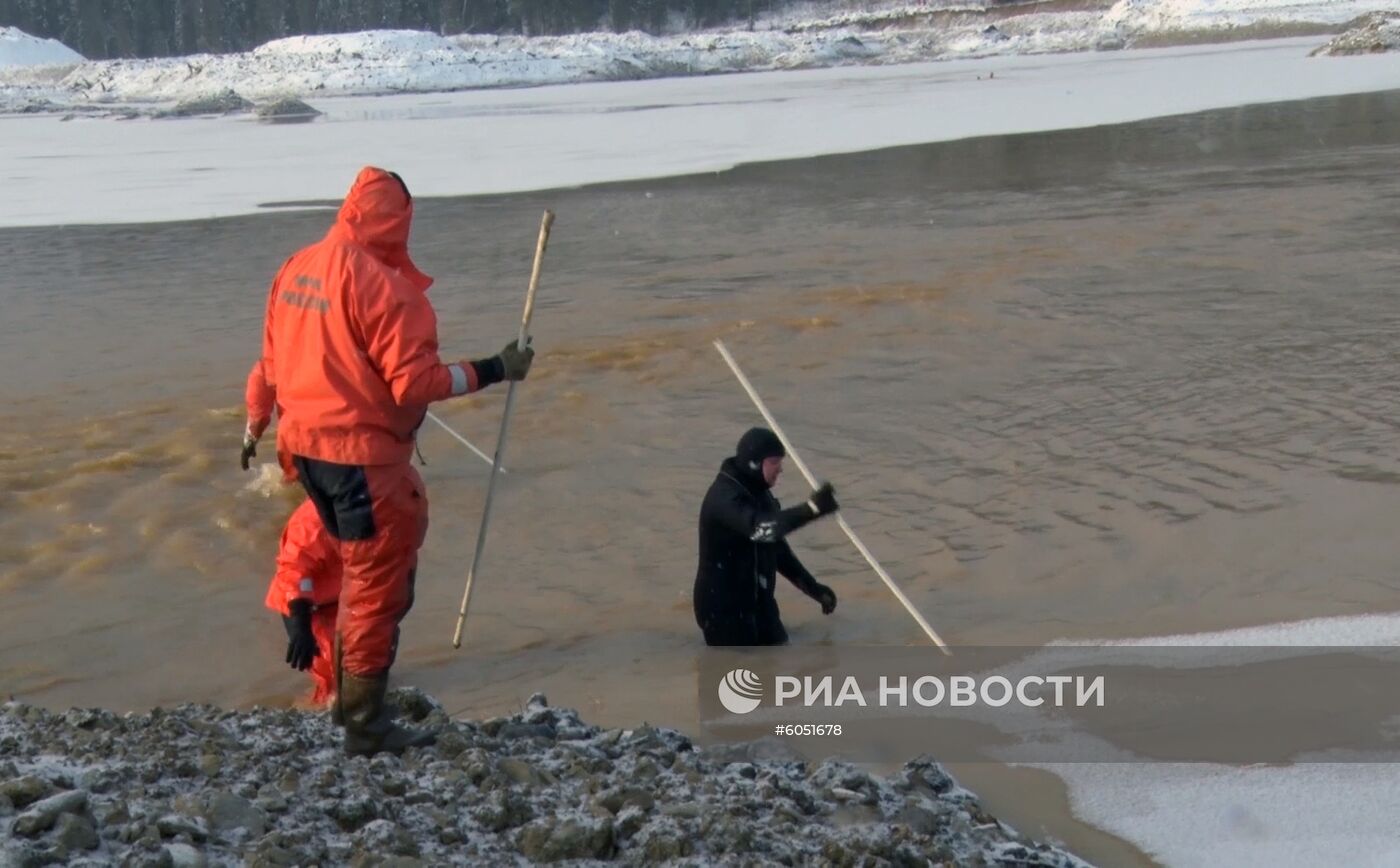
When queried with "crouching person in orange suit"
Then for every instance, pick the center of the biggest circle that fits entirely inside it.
(305, 591)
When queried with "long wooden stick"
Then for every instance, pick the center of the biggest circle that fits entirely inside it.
(812, 481)
(464, 441)
(521, 342)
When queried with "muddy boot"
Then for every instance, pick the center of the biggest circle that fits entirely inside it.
(368, 729)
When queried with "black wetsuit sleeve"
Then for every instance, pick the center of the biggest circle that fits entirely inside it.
(738, 514)
(793, 571)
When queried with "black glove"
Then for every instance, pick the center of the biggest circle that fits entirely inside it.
(826, 596)
(823, 500)
(250, 448)
(301, 645)
(515, 363)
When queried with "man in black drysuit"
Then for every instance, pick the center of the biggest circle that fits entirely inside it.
(743, 545)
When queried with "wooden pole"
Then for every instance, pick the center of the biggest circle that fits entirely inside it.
(812, 481)
(521, 342)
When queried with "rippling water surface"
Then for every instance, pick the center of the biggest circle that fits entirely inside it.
(1121, 381)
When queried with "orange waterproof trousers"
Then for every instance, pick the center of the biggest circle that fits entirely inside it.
(379, 515)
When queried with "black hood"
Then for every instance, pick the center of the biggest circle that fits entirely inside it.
(756, 445)
(752, 480)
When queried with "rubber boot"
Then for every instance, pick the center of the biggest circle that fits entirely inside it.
(368, 727)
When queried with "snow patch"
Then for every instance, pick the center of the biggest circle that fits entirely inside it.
(18, 48)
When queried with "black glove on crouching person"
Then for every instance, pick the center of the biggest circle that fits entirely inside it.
(301, 644)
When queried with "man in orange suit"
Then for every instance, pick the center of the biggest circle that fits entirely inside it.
(350, 358)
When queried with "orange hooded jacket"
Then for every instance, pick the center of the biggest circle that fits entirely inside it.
(350, 347)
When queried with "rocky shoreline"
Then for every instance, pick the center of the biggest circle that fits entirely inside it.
(199, 785)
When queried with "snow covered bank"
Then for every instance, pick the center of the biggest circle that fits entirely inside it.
(18, 48)
(1370, 34)
(1149, 18)
(196, 784)
(476, 142)
(381, 62)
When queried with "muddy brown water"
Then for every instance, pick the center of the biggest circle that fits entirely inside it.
(1123, 381)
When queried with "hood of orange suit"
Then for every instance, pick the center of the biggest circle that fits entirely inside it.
(377, 214)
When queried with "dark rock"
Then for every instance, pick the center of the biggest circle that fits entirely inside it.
(385, 837)
(76, 833)
(159, 858)
(227, 812)
(919, 820)
(502, 811)
(185, 856)
(684, 810)
(553, 841)
(210, 765)
(662, 843)
(270, 799)
(413, 704)
(523, 773)
(926, 775)
(42, 815)
(174, 825)
(221, 103)
(26, 790)
(616, 799)
(288, 110)
(450, 744)
(512, 731)
(629, 822)
(351, 814)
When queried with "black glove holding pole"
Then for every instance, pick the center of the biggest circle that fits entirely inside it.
(515, 362)
(301, 644)
(823, 501)
(510, 364)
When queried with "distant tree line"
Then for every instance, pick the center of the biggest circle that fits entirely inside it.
(156, 28)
